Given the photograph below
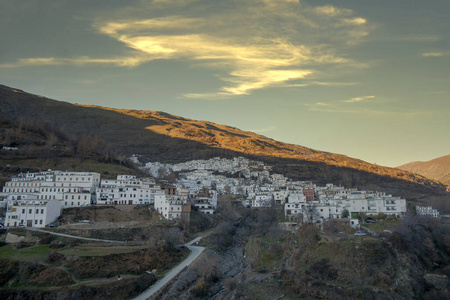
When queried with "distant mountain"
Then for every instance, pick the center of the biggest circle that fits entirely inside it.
(159, 136)
(437, 169)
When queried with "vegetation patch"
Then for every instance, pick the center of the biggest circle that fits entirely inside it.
(96, 251)
(33, 253)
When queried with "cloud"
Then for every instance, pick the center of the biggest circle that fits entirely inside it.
(250, 45)
(83, 60)
(433, 54)
(323, 83)
(372, 108)
(246, 44)
(322, 104)
(359, 99)
(354, 21)
(337, 105)
(332, 11)
(262, 130)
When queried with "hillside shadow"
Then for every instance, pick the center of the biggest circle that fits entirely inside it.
(129, 135)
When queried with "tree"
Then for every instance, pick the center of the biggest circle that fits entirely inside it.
(173, 236)
(345, 214)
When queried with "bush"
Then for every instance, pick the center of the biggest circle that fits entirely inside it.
(322, 269)
(199, 290)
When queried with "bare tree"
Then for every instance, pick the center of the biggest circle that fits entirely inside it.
(173, 236)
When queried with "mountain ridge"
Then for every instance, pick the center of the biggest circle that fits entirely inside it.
(161, 136)
(436, 169)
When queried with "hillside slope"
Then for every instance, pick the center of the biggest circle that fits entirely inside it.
(160, 136)
(437, 169)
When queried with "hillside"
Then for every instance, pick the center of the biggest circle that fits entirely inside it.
(437, 169)
(159, 136)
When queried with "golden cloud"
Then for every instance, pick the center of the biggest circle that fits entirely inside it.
(252, 45)
(359, 99)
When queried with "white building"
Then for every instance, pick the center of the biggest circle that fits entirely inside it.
(280, 196)
(262, 200)
(32, 213)
(336, 200)
(170, 207)
(72, 189)
(205, 201)
(427, 211)
(126, 190)
(203, 205)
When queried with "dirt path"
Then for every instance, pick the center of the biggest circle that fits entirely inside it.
(74, 237)
(102, 280)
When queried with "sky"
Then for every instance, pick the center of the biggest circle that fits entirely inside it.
(367, 79)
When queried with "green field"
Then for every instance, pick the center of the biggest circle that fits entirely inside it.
(34, 253)
(381, 225)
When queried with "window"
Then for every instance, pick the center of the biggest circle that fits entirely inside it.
(42, 211)
(23, 211)
(30, 211)
(40, 222)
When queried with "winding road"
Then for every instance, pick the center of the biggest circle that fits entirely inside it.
(195, 252)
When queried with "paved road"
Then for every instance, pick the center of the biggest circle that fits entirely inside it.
(74, 236)
(195, 252)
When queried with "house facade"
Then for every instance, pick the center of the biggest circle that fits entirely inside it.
(32, 213)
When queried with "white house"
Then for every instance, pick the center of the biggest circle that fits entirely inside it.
(262, 200)
(126, 190)
(32, 213)
(427, 211)
(280, 196)
(170, 207)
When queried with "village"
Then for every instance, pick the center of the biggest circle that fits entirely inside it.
(37, 199)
